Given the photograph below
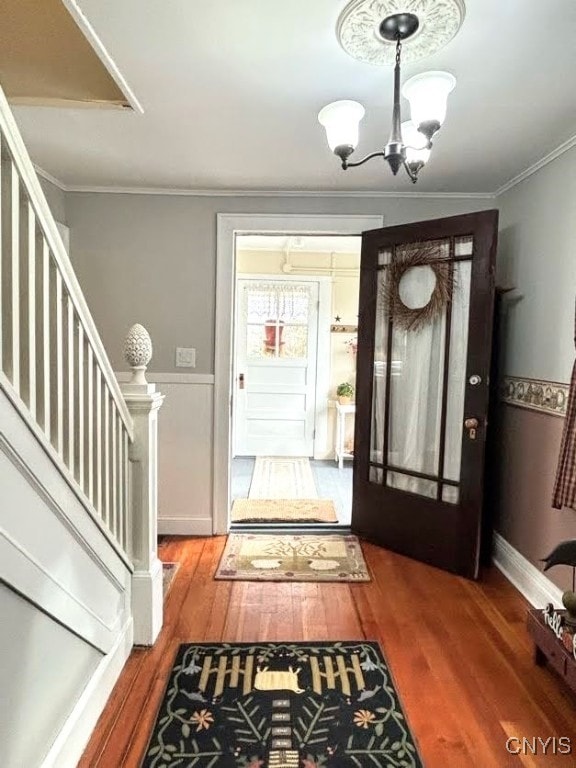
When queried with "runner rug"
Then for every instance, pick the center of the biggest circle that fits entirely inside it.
(283, 511)
(282, 477)
(168, 573)
(289, 705)
(267, 557)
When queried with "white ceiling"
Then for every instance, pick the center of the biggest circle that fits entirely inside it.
(231, 91)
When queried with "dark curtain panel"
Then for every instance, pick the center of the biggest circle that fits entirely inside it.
(565, 485)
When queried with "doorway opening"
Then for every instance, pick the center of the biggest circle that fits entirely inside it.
(294, 342)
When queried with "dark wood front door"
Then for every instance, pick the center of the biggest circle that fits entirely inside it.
(424, 343)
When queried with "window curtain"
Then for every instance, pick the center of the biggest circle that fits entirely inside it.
(565, 485)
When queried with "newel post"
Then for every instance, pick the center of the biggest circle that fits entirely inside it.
(143, 403)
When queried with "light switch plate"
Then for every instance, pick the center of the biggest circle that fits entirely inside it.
(185, 357)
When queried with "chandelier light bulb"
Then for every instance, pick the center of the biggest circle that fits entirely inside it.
(417, 145)
(341, 120)
(428, 96)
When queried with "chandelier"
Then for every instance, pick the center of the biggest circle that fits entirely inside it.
(410, 142)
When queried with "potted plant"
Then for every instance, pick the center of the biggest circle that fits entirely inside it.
(345, 393)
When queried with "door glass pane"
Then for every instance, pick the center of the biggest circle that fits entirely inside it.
(277, 318)
(379, 374)
(457, 368)
(450, 494)
(412, 484)
(376, 475)
(417, 378)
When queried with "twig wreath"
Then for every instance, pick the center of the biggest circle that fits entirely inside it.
(418, 255)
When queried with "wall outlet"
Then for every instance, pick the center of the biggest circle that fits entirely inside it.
(185, 357)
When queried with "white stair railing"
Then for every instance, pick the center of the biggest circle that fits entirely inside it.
(52, 359)
(55, 371)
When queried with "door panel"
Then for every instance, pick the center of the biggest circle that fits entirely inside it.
(277, 329)
(425, 332)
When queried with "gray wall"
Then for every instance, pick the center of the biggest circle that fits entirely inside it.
(152, 259)
(43, 671)
(537, 255)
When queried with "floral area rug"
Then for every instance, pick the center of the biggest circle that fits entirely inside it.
(283, 557)
(281, 705)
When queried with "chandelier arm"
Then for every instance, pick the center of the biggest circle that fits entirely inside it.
(346, 164)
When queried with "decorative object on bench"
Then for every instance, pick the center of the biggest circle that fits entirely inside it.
(565, 554)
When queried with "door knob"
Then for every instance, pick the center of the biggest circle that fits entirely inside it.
(471, 425)
(240, 381)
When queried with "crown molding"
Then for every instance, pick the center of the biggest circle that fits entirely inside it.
(171, 191)
(272, 192)
(550, 157)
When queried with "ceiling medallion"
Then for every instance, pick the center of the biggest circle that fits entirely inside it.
(358, 28)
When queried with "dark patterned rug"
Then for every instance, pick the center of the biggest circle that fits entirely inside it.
(281, 705)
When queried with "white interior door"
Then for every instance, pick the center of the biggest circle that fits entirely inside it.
(275, 371)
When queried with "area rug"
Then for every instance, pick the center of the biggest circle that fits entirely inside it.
(283, 511)
(168, 573)
(280, 477)
(281, 705)
(267, 557)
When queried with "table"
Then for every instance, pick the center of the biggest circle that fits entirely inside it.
(339, 453)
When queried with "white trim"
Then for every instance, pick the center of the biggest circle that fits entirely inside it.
(323, 364)
(169, 378)
(147, 603)
(70, 743)
(228, 225)
(549, 158)
(350, 193)
(52, 179)
(31, 186)
(528, 580)
(26, 575)
(357, 193)
(90, 34)
(185, 526)
(21, 411)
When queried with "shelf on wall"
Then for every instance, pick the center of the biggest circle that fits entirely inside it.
(339, 328)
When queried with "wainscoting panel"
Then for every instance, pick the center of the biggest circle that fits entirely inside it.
(185, 452)
(65, 606)
(51, 551)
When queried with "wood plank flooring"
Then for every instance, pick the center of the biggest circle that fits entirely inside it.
(458, 650)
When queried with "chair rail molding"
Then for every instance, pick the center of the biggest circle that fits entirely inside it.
(228, 226)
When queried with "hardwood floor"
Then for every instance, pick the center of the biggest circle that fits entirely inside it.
(458, 650)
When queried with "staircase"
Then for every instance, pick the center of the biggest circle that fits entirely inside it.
(80, 580)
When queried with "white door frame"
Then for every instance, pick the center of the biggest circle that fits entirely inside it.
(227, 227)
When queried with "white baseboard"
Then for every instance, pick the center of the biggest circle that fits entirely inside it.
(528, 580)
(147, 604)
(74, 736)
(185, 526)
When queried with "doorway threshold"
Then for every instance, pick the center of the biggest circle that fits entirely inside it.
(295, 528)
